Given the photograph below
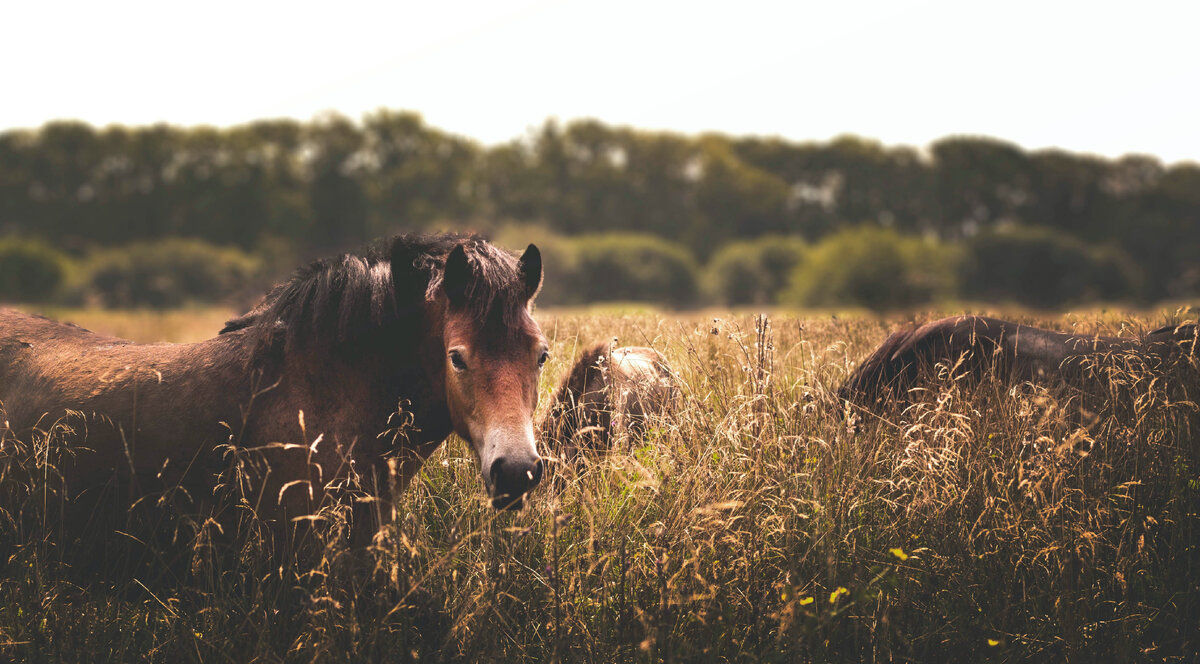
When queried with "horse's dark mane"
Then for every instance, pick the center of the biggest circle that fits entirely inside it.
(565, 419)
(588, 361)
(877, 372)
(333, 300)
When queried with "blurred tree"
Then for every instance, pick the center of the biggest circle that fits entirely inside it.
(755, 271)
(812, 185)
(736, 200)
(333, 182)
(1067, 193)
(663, 170)
(333, 147)
(512, 182)
(889, 187)
(166, 273)
(414, 174)
(978, 181)
(1133, 174)
(632, 267)
(1160, 229)
(59, 172)
(15, 180)
(275, 146)
(874, 268)
(1044, 268)
(30, 270)
(560, 262)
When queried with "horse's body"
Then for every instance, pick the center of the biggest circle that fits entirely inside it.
(609, 394)
(143, 406)
(353, 361)
(982, 346)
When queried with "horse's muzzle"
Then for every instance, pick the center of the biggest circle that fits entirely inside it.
(512, 478)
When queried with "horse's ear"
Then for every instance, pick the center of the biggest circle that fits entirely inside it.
(408, 279)
(531, 271)
(457, 276)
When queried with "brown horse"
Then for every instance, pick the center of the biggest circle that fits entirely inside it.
(982, 346)
(606, 395)
(354, 364)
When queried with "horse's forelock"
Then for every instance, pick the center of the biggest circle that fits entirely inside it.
(495, 294)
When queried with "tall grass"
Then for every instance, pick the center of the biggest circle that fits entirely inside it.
(762, 521)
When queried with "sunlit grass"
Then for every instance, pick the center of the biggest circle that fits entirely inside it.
(183, 325)
(761, 521)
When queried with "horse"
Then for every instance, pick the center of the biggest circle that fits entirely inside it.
(358, 366)
(979, 346)
(608, 393)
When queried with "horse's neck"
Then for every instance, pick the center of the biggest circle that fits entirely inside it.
(360, 399)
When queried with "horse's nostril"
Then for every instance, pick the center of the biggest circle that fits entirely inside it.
(515, 479)
(497, 472)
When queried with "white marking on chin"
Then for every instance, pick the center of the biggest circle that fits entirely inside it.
(505, 442)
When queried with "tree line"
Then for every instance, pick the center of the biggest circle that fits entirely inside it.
(333, 182)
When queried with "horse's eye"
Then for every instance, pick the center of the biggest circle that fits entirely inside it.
(542, 358)
(457, 361)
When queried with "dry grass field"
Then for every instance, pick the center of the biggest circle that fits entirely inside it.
(762, 521)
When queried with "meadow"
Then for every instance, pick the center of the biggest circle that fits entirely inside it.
(762, 521)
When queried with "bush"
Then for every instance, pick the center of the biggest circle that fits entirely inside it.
(558, 258)
(167, 273)
(30, 271)
(631, 267)
(1043, 268)
(756, 271)
(875, 268)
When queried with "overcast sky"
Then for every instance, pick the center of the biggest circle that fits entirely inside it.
(1100, 77)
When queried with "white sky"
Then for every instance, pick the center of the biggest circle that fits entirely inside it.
(1101, 77)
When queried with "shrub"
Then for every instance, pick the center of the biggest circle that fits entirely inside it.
(1040, 267)
(30, 271)
(626, 266)
(167, 273)
(755, 271)
(875, 268)
(558, 259)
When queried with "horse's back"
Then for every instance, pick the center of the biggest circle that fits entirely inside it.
(979, 346)
(115, 397)
(37, 352)
(1183, 338)
(30, 346)
(975, 345)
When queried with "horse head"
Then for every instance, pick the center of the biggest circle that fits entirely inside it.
(487, 353)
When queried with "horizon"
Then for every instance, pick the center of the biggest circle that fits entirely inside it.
(1094, 79)
(922, 149)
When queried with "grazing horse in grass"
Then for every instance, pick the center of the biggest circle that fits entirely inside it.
(608, 393)
(357, 367)
(982, 346)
